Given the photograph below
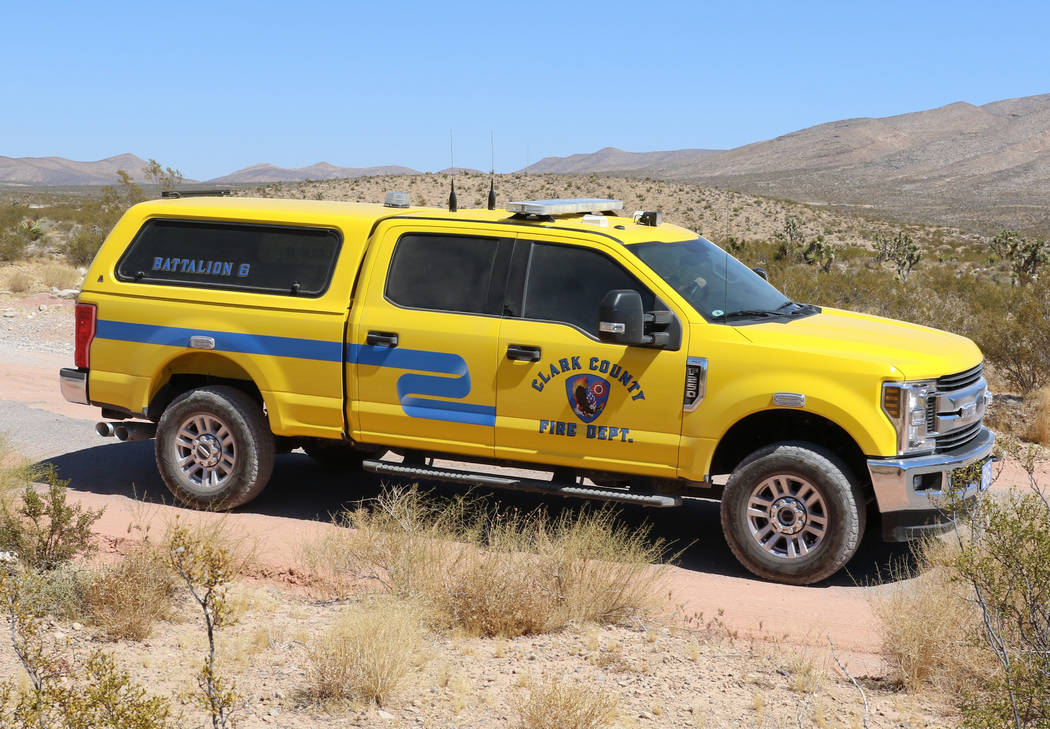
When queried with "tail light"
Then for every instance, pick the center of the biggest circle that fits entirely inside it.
(84, 319)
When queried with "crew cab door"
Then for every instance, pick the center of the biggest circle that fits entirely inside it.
(567, 398)
(421, 345)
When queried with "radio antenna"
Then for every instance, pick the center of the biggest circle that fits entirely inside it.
(453, 205)
(492, 173)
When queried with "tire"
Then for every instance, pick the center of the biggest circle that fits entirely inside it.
(214, 448)
(794, 487)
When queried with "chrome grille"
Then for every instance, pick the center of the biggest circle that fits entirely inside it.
(958, 438)
(960, 379)
(941, 408)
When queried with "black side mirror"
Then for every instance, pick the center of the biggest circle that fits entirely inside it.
(621, 319)
(761, 272)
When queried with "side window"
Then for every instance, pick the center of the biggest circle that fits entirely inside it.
(567, 283)
(273, 259)
(442, 272)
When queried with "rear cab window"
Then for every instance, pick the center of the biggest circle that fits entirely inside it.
(263, 258)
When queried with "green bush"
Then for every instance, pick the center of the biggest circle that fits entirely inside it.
(80, 249)
(44, 531)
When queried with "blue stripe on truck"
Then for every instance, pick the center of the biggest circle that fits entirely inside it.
(437, 384)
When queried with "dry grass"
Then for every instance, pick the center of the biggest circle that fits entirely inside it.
(488, 573)
(1039, 428)
(20, 281)
(59, 275)
(127, 599)
(367, 655)
(217, 531)
(930, 629)
(564, 703)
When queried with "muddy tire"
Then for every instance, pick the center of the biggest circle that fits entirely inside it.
(214, 448)
(793, 513)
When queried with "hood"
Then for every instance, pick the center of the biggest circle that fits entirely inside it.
(918, 352)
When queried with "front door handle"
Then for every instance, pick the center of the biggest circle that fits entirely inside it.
(381, 339)
(521, 353)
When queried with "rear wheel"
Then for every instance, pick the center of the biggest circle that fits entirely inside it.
(214, 448)
(792, 513)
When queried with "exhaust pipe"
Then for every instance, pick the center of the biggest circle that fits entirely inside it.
(106, 429)
(134, 431)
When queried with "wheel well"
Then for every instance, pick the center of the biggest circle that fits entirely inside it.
(184, 382)
(770, 426)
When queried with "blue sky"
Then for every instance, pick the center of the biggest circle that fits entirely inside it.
(210, 87)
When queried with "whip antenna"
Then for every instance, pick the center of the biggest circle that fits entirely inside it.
(492, 173)
(453, 205)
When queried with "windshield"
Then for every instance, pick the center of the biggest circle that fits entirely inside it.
(717, 285)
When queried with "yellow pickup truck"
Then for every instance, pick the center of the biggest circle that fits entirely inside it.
(630, 359)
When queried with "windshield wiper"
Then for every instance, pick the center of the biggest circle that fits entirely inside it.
(750, 314)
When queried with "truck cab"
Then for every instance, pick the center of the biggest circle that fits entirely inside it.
(631, 359)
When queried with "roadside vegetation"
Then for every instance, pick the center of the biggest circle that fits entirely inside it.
(975, 622)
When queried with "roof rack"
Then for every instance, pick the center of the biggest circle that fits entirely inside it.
(175, 194)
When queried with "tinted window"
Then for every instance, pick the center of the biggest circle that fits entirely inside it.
(567, 284)
(266, 258)
(444, 272)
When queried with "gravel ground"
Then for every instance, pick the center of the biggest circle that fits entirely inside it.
(39, 323)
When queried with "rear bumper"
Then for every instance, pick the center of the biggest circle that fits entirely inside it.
(911, 491)
(73, 384)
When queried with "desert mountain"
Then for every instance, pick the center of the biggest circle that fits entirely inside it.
(59, 171)
(320, 171)
(958, 164)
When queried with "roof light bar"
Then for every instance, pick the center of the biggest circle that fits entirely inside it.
(571, 206)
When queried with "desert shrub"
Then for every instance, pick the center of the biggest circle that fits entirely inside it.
(62, 690)
(82, 246)
(12, 246)
(564, 703)
(367, 655)
(1039, 429)
(1007, 566)
(1022, 256)
(20, 282)
(127, 598)
(59, 276)
(59, 593)
(499, 574)
(929, 625)
(206, 569)
(44, 531)
(1016, 336)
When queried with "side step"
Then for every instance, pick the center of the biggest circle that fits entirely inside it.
(519, 484)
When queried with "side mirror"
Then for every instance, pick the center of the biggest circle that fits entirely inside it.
(621, 319)
(761, 272)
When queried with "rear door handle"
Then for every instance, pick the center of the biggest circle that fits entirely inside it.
(381, 339)
(521, 353)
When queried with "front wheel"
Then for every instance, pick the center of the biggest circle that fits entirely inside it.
(214, 448)
(792, 513)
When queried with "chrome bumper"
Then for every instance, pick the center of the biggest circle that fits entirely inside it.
(74, 385)
(895, 479)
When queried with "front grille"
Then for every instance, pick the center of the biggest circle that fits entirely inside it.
(961, 379)
(931, 413)
(958, 437)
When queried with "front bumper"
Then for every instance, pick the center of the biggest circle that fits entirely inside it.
(911, 491)
(74, 385)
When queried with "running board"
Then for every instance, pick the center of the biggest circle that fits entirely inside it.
(529, 485)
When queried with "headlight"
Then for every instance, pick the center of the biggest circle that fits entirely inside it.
(905, 405)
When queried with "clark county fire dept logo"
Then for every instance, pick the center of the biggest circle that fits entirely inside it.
(588, 395)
